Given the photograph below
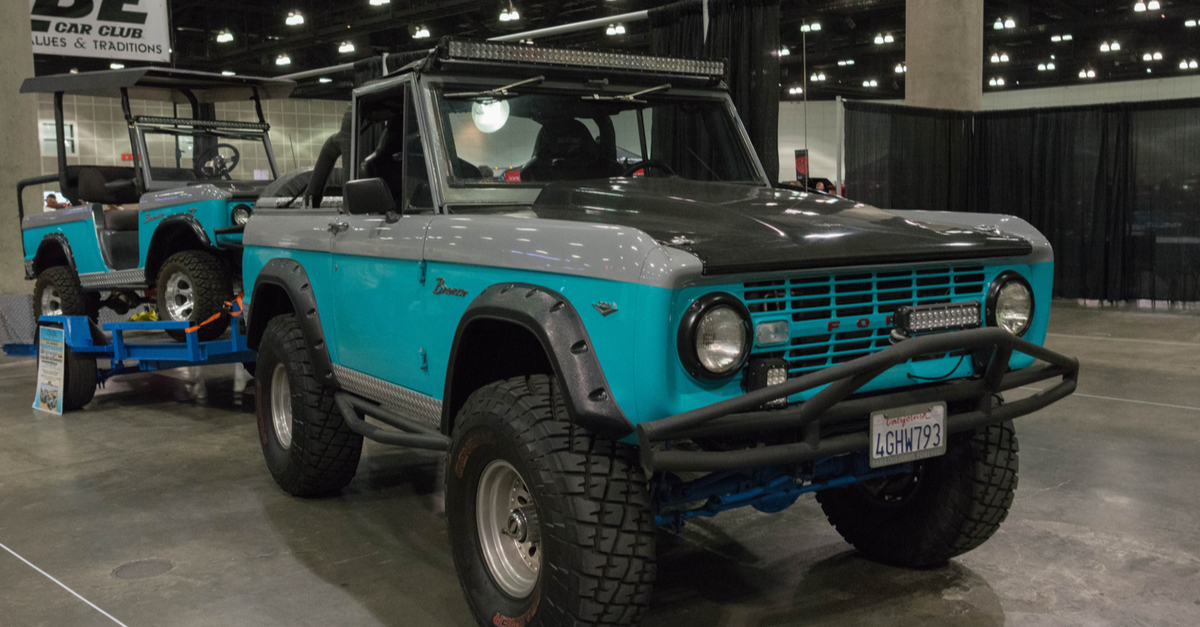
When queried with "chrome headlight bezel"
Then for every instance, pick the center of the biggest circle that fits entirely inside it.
(240, 209)
(1005, 279)
(690, 324)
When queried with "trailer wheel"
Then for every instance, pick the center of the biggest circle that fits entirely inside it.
(308, 447)
(193, 285)
(79, 380)
(947, 506)
(57, 292)
(549, 524)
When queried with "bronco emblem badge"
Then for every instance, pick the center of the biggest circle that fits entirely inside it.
(441, 288)
(605, 309)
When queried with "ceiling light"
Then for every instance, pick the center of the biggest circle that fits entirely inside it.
(620, 29)
(874, 84)
(1056, 38)
(1104, 47)
(783, 52)
(1067, 38)
(1148, 70)
(283, 59)
(1010, 23)
(224, 37)
(1158, 56)
(228, 73)
(1115, 46)
(878, 39)
(1049, 66)
(510, 14)
(324, 79)
(1192, 64)
(900, 69)
(995, 58)
(816, 26)
(346, 47)
(1190, 23)
(422, 32)
(888, 38)
(1183, 65)
(1041, 67)
(116, 66)
(1139, 7)
(1004, 57)
(1000, 82)
(294, 18)
(1147, 56)
(1153, 5)
(999, 25)
(842, 63)
(379, 3)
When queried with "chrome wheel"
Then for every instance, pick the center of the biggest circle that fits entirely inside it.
(51, 302)
(508, 529)
(281, 406)
(180, 300)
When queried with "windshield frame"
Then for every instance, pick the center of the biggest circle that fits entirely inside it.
(474, 192)
(145, 166)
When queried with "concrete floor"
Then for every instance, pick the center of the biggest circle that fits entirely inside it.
(153, 504)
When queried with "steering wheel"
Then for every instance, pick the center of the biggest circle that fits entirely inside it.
(647, 164)
(212, 164)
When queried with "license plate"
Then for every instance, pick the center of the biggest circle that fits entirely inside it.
(907, 434)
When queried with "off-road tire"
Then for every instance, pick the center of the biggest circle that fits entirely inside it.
(950, 505)
(323, 453)
(211, 289)
(591, 497)
(79, 380)
(64, 279)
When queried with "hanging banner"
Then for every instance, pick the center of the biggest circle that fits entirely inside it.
(802, 167)
(107, 29)
(51, 357)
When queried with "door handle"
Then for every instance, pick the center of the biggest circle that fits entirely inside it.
(338, 227)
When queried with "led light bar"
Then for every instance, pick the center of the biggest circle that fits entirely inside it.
(160, 121)
(764, 373)
(934, 318)
(493, 51)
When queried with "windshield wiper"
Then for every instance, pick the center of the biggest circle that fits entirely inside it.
(499, 92)
(631, 97)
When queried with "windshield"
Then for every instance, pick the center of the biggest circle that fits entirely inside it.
(185, 154)
(543, 137)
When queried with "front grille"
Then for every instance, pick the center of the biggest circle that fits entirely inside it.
(840, 317)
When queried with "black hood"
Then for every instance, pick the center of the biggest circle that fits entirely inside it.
(742, 228)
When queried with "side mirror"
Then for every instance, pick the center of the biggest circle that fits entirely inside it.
(367, 196)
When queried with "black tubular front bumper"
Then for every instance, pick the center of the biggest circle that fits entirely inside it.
(992, 348)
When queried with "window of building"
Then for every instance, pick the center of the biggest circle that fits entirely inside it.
(49, 138)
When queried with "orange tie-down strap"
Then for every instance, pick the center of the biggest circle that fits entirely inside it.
(227, 310)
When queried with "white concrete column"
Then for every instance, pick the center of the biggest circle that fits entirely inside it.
(20, 155)
(944, 53)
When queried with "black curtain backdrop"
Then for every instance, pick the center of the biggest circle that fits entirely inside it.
(1115, 188)
(746, 36)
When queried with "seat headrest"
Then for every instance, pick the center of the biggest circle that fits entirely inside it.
(565, 138)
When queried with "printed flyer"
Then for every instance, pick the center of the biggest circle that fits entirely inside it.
(51, 355)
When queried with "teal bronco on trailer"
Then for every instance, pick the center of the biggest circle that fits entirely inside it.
(167, 229)
(568, 270)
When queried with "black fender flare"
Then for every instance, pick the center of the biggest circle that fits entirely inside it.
(155, 253)
(556, 324)
(52, 239)
(291, 277)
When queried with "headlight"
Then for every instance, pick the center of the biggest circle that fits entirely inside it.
(240, 215)
(714, 336)
(1010, 303)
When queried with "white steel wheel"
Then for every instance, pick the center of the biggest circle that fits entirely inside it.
(51, 302)
(509, 535)
(281, 406)
(180, 297)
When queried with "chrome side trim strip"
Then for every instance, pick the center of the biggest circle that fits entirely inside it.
(123, 278)
(402, 400)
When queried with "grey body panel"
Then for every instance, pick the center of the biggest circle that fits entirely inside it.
(602, 251)
(374, 236)
(293, 229)
(182, 195)
(54, 218)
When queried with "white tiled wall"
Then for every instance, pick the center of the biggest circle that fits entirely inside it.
(298, 129)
